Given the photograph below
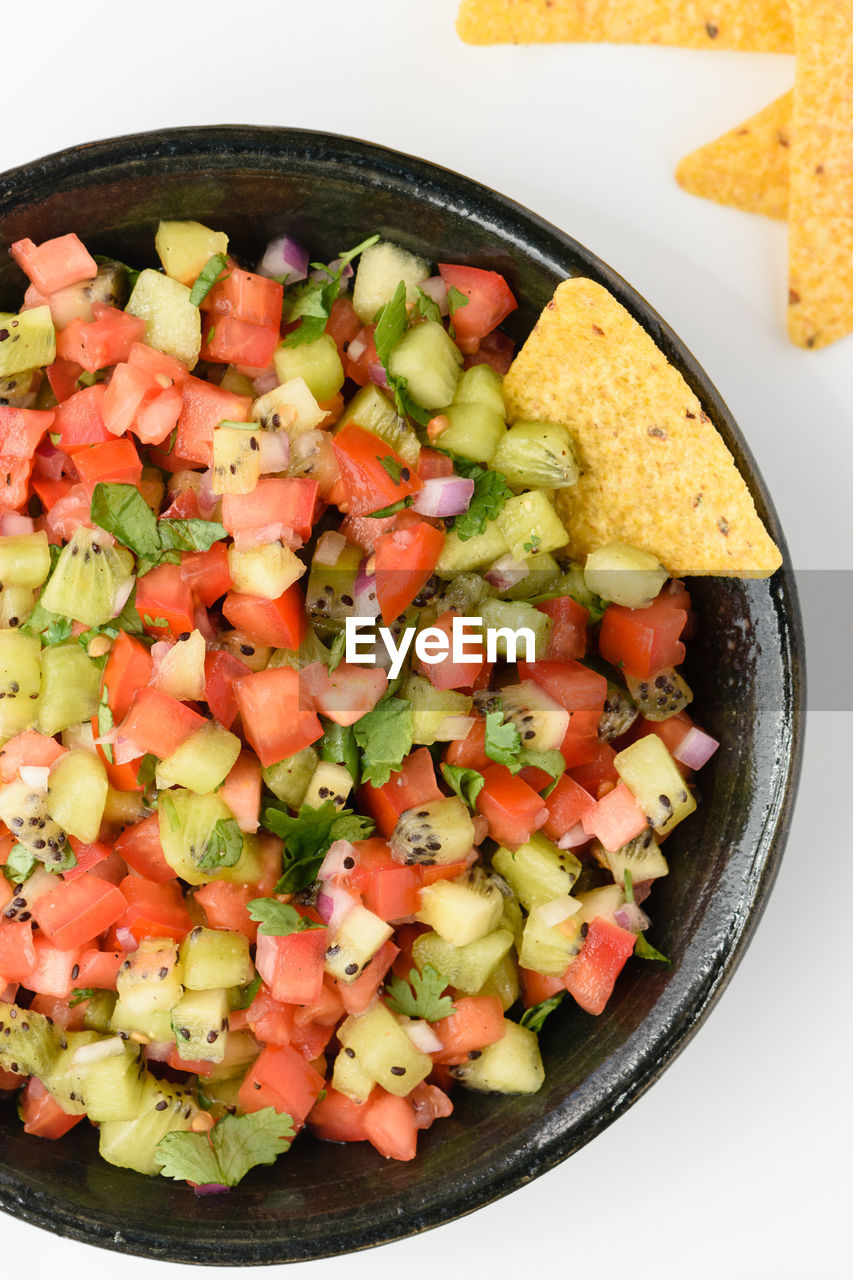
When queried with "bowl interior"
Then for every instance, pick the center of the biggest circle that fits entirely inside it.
(746, 671)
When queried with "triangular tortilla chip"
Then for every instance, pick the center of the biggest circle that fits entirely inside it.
(748, 25)
(820, 253)
(748, 166)
(656, 474)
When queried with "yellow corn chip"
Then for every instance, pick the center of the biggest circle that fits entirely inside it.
(757, 25)
(748, 166)
(655, 472)
(820, 239)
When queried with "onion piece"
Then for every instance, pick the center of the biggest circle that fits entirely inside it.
(265, 382)
(329, 548)
(334, 904)
(574, 837)
(631, 917)
(379, 376)
(341, 858)
(275, 451)
(259, 536)
(695, 748)
(13, 524)
(357, 348)
(121, 595)
(422, 1036)
(506, 571)
(159, 1050)
(124, 749)
(365, 603)
(436, 289)
(284, 256)
(207, 499)
(320, 273)
(558, 910)
(444, 496)
(35, 776)
(125, 938)
(481, 828)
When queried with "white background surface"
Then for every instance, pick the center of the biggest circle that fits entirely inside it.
(734, 1164)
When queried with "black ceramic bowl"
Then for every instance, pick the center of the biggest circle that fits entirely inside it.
(748, 676)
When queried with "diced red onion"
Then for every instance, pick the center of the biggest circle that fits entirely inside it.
(506, 572)
(121, 595)
(159, 1050)
(334, 903)
(574, 837)
(454, 728)
(203, 623)
(444, 496)
(695, 748)
(357, 348)
(642, 889)
(210, 1189)
(266, 957)
(50, 462)
(275, 451)
(207, 499)
(124, 749)
(320, 273)
(559, 909)
(378, 375)
(422, 1036)
(365, 603)
(284, 257)
(481, 828)
(329, 548)
(35, 776)
(126, 939)
(631, 917)
(436, 289)
(334, 864)
(266, 382)
(260, 536)
(12, 524)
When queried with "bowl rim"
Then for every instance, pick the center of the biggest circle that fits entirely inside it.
(224, 147)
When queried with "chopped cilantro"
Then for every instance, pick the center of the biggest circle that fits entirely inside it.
(531, 545)
(308, 837)
(421, 996)
(166, 804)
(278, 919)
(455, 299)
(20, 864)
(310, 302)
(79, 994)
(248, 993)
(224, 846)
(426, 307)
(337, 649)
(391, 324)
(123, 512)
(534, 1017)
(211, 272)
(393, 468)
(467, 783)
(225, 1155)
(503, 744)
(399, 505)
(643, 949)
(385, 738)
(105, 722)
(491, 492)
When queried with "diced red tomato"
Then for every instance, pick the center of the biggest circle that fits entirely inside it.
(592, 974)
(113, 462)
(153, 910)
(87, 855)
(164, 602)
(490, 300)
(390, 1125)
(73, 914)
(22, 430)
(204, 407)
(80, 419)
(642, 641)
(476, 1022)
(567, 804)
(405, 561)
(159, 364)
(196, 1066)
(55, 264)
(448, 674)
(291, 501)
(336, 1118)
(62, 376)
(470, 752)
(128, 668)
(283, 1079)
(358, 996)
(512, 809)
(241, 791)
(615, 819)
(369, 485)
(292, 967)
(275, 720)
(206, 573)
(496, 349)
(99, 969)
(136, 401)
(30, 747)
(433, 465)
(221, 669)
(17, 952)
(597, 771)
(141, 849)
(343, 324)
(361, 361)
(253, 298)
(536, 987)
(350, 692)
(281, 623)
(388, 889)
(157, 723)
(42, 1115)
(104, 341)
(228, 340)
(568, 628)
(413, 784)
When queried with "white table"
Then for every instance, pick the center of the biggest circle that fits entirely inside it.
(733, 1164)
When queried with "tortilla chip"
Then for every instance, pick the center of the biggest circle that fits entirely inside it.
(656, 474)
(748, 25)
(748, 166)
(820, 243)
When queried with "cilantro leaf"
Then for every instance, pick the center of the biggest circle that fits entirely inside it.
(391, 325)
(456, 299)
(123, 512)
(385, 737)
(393, 468)
(79, 994)
(234, 1145)
(147, 770)
(467, 783)
(105, 722)
(308, 837)
(426, 307)
(391, 510)
(278, 919)
(491, 492)
(20, 864)
(337, 649)
(503, 741)
(248, 993)
(551, 762)
(310, 302)
(211, 272)
(190, 535)
(534, 1017)
(421, 996)
(166, 804)
(338, 745)
(224, 846)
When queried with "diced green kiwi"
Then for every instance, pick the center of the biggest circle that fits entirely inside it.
(132, 1143)
(502, 619)
(652, 776)
(290, 407)
(20, 681)
(236, 459)
(549, 949)
(105, 1078)
(20, 390)
(371, 409)
(538, 871)
(215, 958)
(187, 824)
(77, 793)
(541, 721)
(240, 1050)
(503, 982)
(27, 341)
(464, 909)
(380, 269)
(311, 650)
(172, 323)
(467, 968)
(463, 593)
(429, 360)
(436, 712)
(356, 942)
(317, 362)
(289, 779)
(70, 687)
(543, 572)
(460, 555)
(16, 605)
(472, 430)
(660, 696)
(200, 1021)
(641, 856)
(530, 525)
(330, 593)
(481, 385)
(624, 574)
(512, 1064)
(348, 1077)
(150, 978)
(29, 1042)
(185, 247)
(620, 712)
(87, 578)
(201, 763)
(434, 833)
(383, 1050)
(329, 782)
(24, 559)
(537, 455)
(98, 1011)
(155, 1025)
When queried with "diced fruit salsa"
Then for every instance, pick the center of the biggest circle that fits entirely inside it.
(251, 886)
